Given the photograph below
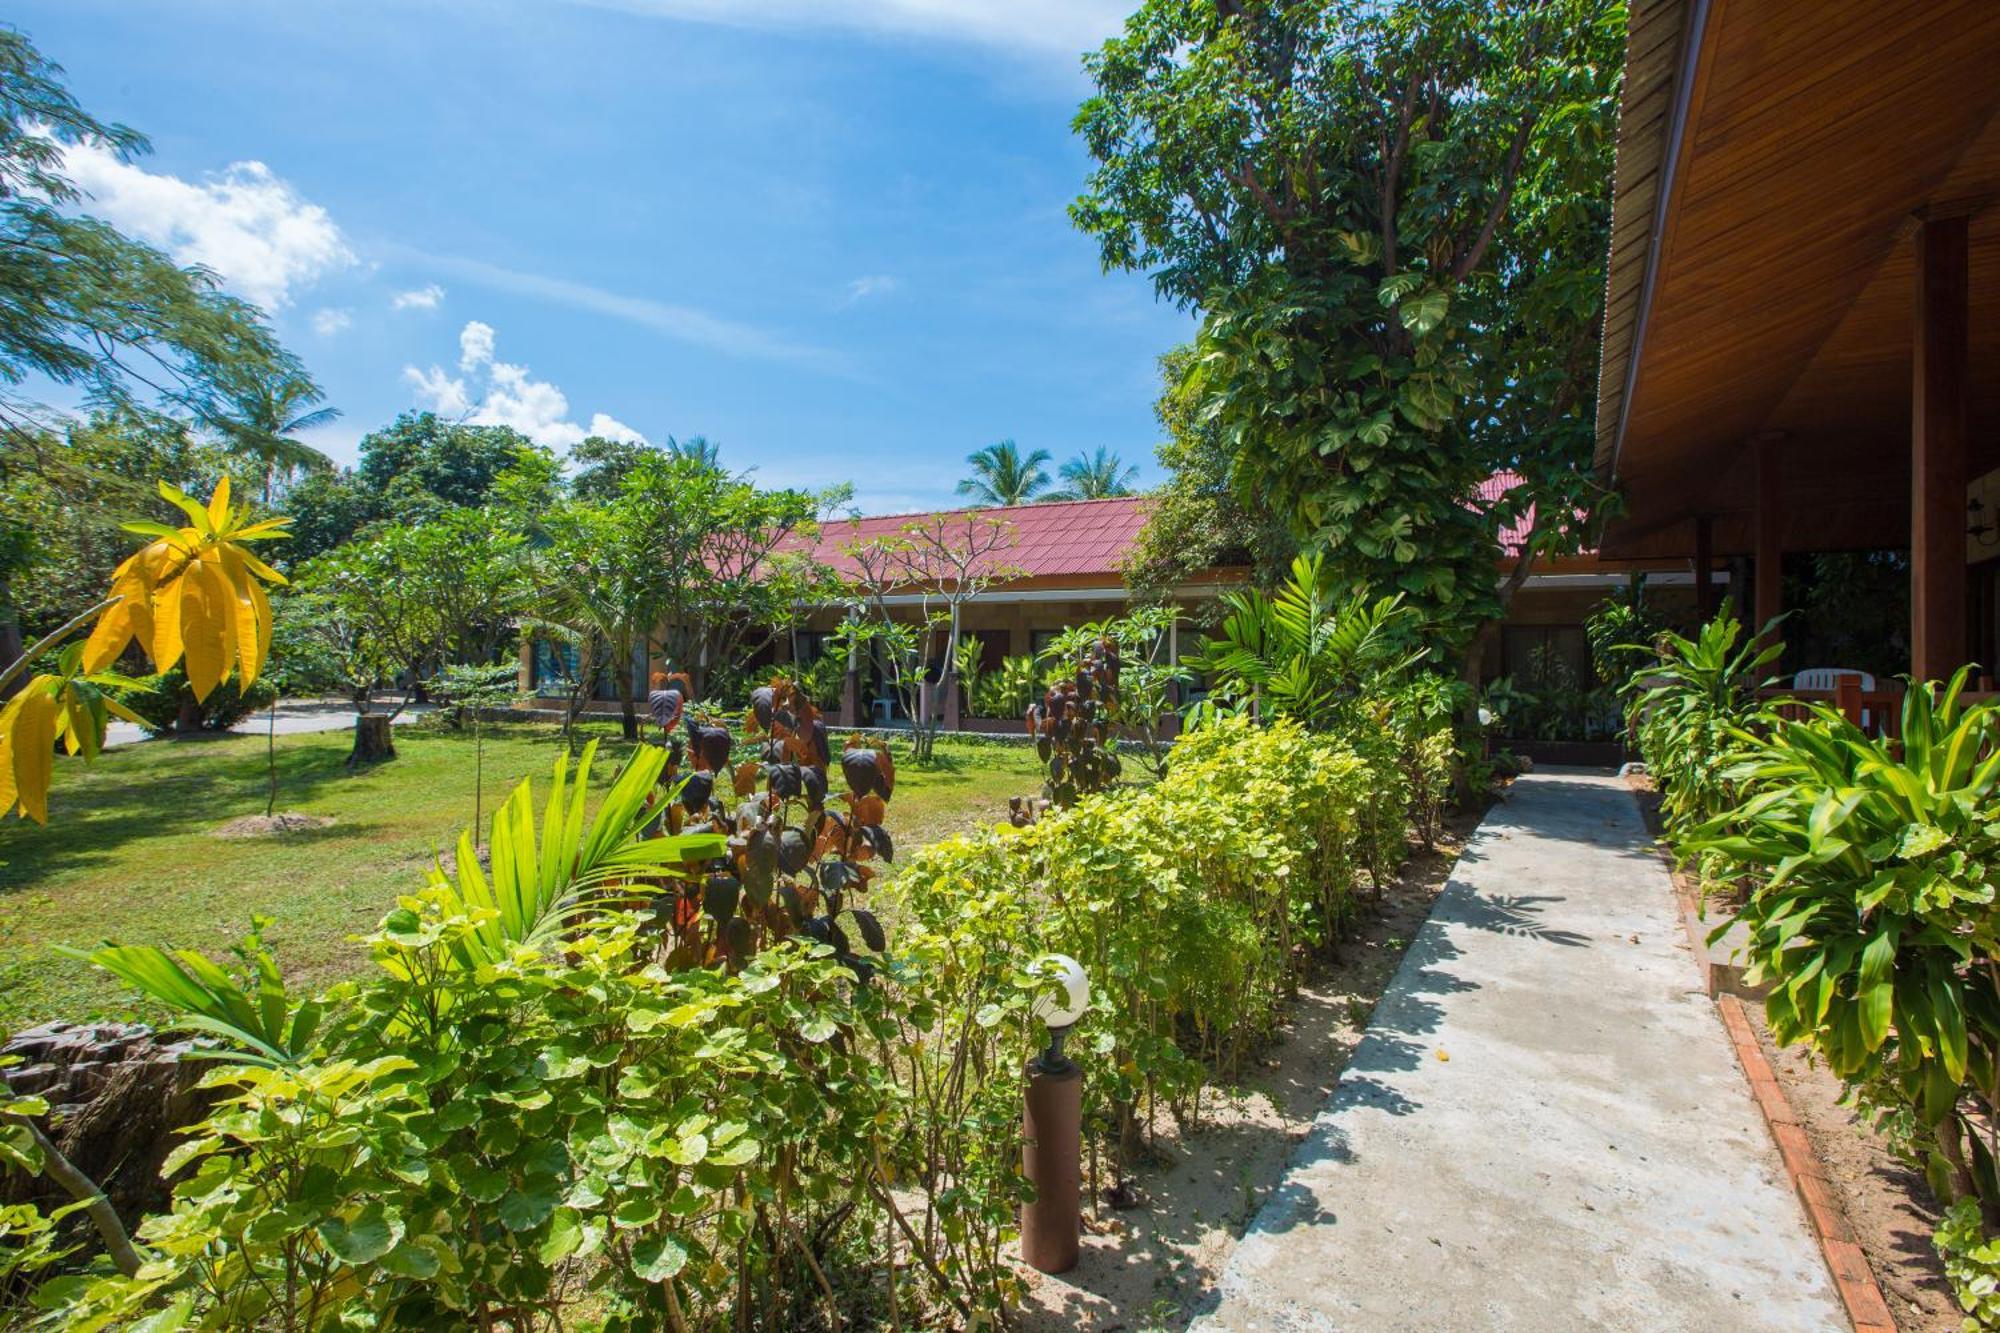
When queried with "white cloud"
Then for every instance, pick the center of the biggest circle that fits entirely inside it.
(262, 238)
(1057, 27)
(682, 323)
(328, 321)
(873, 284)
(428, 297)
(498, 393)
(475, 345)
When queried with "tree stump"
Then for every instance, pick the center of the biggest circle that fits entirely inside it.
(372, 741)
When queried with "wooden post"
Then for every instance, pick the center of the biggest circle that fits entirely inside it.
(1704, 568)
(1937, 454)
(1770, 553)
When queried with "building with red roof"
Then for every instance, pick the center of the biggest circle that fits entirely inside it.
(1064, 563)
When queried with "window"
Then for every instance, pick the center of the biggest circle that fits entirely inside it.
(1547, 656)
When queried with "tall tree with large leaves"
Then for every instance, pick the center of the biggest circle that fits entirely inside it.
(1393, 218)
(1003, 476)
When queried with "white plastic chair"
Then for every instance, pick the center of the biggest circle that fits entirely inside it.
(1827, 678)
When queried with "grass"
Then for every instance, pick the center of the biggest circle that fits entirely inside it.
(130, 853)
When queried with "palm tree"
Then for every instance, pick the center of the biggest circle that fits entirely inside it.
(1001, 476)
(697, 449)
(263, 417)
(1100, 476)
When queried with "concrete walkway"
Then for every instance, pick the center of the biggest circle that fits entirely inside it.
(1544, 1126)
(296, 717)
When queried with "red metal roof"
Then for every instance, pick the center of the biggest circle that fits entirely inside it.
(1083, 537)
(1060, 537)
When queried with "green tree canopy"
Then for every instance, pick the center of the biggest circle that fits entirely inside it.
(1002, 475)
(84, 306)
(1393, 217)
(1198, 521)
(263, 414)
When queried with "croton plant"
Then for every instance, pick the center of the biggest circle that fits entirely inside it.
(1071, 725)
(798, 855)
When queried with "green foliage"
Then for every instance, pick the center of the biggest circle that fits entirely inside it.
(165, 700)
(1305, 653)
(1871, 875)
(1008, 691)
(1971, 1264)
(1185, 914)
(1687, 706)
(115, 322)
(1098, 476)
(1197, 522)
(1002, 475)
(1393, 219)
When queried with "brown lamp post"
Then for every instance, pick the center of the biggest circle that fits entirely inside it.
(1052, 1127)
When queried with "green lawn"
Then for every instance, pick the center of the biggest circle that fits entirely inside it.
(130, 853)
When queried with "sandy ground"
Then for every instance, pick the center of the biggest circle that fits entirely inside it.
(1150, 1267)
(1888, 1205)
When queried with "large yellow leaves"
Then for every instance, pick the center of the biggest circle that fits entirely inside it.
(193, 595)
(28, 736)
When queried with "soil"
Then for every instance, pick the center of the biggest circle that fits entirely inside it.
(1888, 1206)
(1152, 1266)
(282, 824)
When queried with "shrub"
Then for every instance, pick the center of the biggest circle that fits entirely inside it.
(575, 1085)
(1687, 707)
(165, 699)
(1188, 902)
(1872, 877)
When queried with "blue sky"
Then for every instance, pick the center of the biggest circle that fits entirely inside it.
(828, 233)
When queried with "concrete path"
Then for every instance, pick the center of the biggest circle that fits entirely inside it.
(1544, 1127)
(295, 717)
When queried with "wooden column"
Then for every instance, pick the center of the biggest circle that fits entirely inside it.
(1937, 452)
(1704, 568)
(1770, 554)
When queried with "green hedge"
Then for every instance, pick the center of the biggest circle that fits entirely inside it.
(581, 1129)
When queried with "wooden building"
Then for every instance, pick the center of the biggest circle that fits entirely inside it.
(1802, 332)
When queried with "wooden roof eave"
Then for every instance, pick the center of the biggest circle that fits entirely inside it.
(1660, 39)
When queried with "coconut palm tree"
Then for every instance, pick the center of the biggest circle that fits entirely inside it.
(1099, 476)
(1001, 476)
(265, 414)
(697, 449)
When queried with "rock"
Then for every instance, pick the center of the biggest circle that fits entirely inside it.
(119, 1096)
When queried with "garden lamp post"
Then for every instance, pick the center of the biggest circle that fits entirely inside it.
(1052, 1126)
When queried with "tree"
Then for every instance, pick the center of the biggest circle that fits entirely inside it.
(81, 305)
(1197, 521)
(406, 600)
(65, 494)
(697, 449)
(1393, 218)
(935, 564)
(1001, 476)
(476, 689)
(422, 457)
(1099, 476)
(262, 415)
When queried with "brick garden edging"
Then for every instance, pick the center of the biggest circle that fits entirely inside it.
(1844, 1259)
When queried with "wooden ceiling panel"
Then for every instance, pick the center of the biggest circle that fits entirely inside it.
(1782, 293)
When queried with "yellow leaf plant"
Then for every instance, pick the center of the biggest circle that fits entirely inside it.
(192, 594)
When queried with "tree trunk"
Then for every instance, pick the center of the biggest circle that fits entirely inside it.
(372, 741)
(628, 707)
(187, 718)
